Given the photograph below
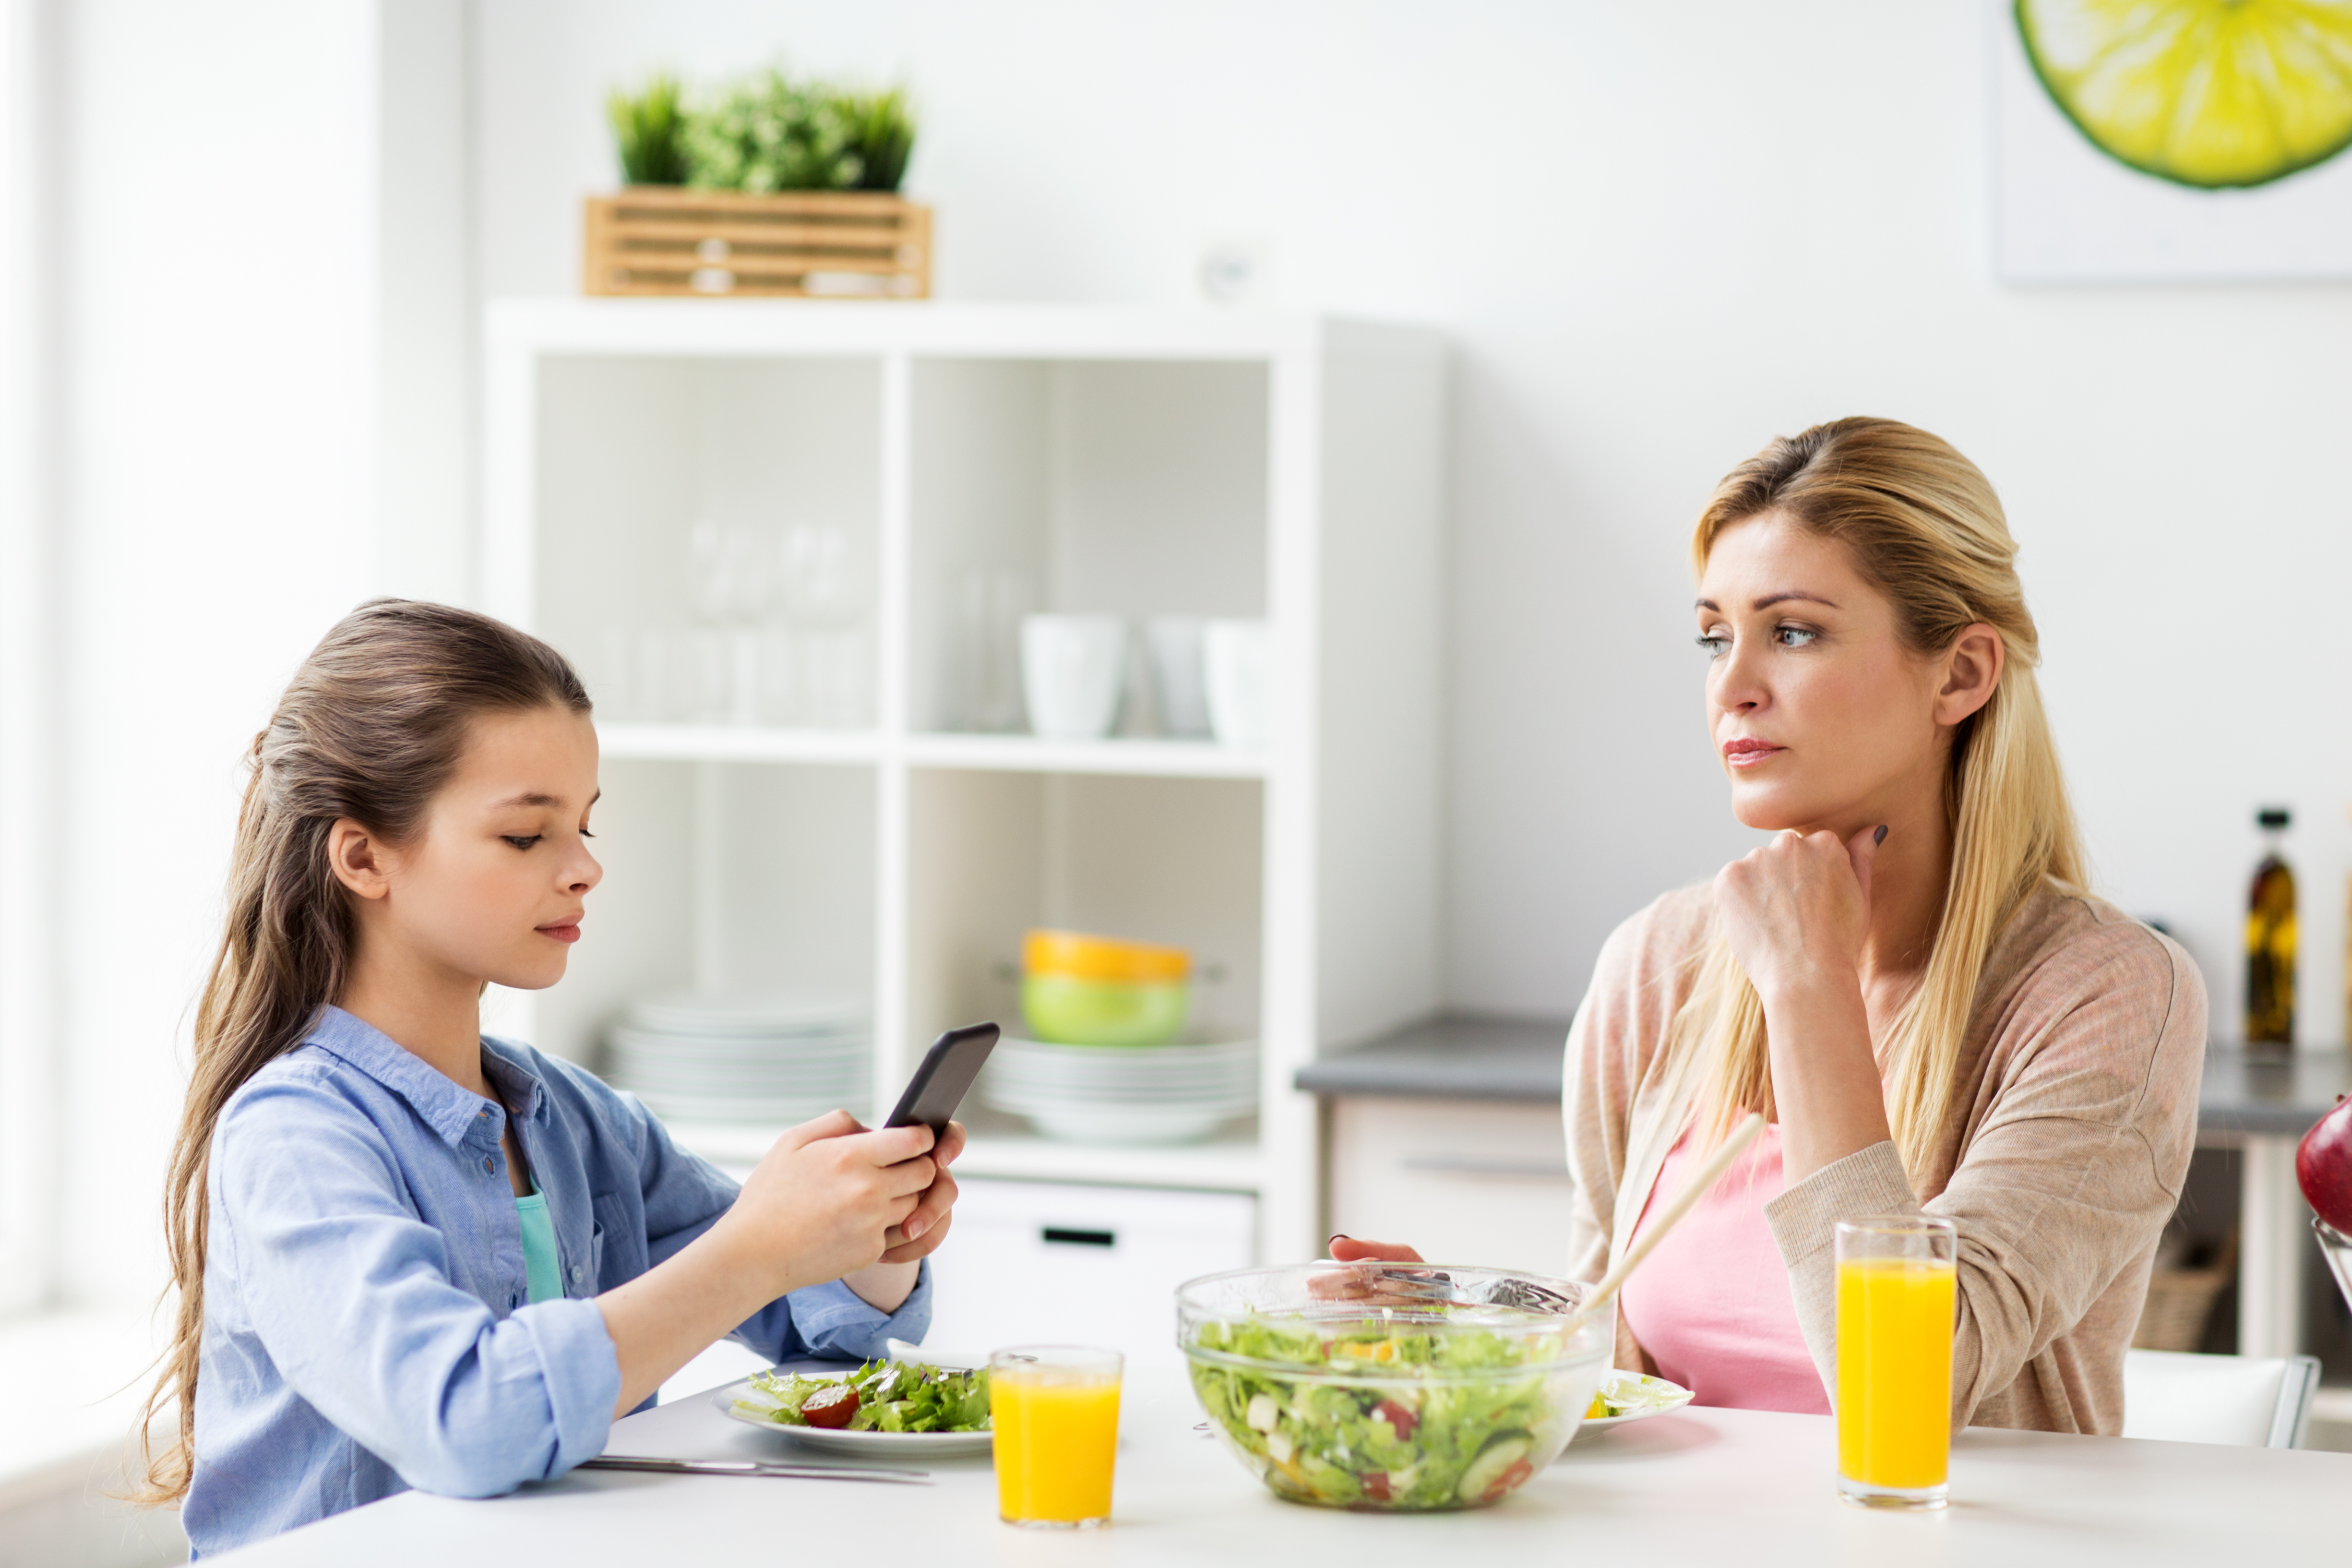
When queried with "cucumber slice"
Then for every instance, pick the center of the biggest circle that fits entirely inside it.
(1491, 1463)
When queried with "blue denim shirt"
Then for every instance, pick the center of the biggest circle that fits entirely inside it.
(367, 1325)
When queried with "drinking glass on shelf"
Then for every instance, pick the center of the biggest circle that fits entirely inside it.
(819, 575)
(730, 572)
(985, 682)
(1054, 1409)
(1179, 688)
(701, 671)
(775, 689)
(1896, 1283)
(650, 695)
(1237, 658)
(608, 671)
(830, 667)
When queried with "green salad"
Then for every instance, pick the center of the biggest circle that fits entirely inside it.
(1401, 1426)
(880, 1396)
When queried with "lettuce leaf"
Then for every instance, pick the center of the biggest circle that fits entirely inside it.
(892, 1396)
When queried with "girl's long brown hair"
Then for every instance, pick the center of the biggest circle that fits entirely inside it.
(371, 727)
(1922, 524)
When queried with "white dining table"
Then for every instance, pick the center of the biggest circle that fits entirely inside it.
(1698, 1485)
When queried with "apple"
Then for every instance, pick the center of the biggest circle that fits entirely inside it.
(2323, 1164)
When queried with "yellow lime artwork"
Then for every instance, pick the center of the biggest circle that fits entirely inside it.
(2212, 94)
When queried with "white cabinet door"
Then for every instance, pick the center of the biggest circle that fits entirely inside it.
(1051, 1262)
(1471, 1182)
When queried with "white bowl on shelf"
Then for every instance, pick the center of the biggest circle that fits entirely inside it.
(1123, 1094)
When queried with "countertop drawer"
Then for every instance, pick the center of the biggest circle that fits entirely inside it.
(1047, 1262)
(1461, 1182)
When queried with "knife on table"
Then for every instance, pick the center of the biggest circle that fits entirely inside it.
(756, 1468)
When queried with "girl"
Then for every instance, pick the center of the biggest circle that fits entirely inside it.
(1909, 981)
(408, 1255)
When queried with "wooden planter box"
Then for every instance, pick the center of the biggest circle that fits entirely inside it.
(664, 239)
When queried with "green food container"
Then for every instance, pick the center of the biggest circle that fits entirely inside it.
(1065, 1011)
(1080, 990)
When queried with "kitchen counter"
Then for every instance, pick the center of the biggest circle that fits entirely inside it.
(1454, 1056)
(1471, 1057)
(2259, 1105)
(1701, 1485)
(2247, 1095)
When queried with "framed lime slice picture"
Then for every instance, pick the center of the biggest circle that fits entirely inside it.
(2213, 94)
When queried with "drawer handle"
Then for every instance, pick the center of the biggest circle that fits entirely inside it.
(1054, 1233)
(1482, 1165)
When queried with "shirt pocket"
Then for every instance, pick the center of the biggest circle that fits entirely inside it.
(616, 1243)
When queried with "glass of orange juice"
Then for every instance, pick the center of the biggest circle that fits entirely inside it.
(1055, 1412)
(1894, 1315)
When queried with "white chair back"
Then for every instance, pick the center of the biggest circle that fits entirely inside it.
(2244, 1401)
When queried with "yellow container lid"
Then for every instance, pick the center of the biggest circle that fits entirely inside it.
(1075, 955)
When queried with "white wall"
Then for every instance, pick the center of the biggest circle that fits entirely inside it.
(219, 340)
(1660, 234)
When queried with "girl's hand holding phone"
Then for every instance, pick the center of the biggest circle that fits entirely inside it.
(828, 1197)
(921, 1232)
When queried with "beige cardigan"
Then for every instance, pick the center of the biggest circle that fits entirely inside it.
(2072, 1117)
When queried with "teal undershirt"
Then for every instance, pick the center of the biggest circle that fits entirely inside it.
(542, 1270)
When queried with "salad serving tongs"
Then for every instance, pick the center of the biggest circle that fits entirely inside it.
(769, 1468)
(1730, 1149)
(1412, 1284)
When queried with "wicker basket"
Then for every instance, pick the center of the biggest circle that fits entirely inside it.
(2180, 1302)
(663, 239)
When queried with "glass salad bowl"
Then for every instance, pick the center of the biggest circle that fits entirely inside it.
(1389, 1386)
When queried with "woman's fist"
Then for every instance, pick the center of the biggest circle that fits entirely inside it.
(1796, 910)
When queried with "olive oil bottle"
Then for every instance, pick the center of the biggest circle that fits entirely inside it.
(2270, 941)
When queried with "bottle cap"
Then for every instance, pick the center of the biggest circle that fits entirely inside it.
(2271, 816)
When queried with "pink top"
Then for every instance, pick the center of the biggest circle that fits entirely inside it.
(1712, 1304)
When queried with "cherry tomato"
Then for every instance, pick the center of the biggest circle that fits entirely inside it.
(1398, 1417)
(1510, 1479)
(831, 1407)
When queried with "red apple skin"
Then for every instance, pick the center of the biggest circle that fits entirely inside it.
(2323, 1164)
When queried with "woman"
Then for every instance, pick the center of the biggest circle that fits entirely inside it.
(1909, 981)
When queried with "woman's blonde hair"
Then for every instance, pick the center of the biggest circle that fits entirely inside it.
(1922, 525)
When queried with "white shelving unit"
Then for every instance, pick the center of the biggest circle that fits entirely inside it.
(1126, 461)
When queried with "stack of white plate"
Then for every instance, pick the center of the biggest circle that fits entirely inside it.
(1123, 1094)
(721, 1056)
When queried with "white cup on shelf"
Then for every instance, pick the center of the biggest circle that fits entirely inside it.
(1237, 660)
(1072, 667)
(1180, 686)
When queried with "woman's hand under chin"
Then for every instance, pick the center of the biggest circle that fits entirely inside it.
(1796, 910)
(1796, 914)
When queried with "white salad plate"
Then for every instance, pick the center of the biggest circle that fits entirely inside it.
(1176, 1093)
(873, 1445)
(745, 1057)
(1657, 1395)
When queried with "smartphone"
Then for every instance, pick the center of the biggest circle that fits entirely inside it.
(947, 1071)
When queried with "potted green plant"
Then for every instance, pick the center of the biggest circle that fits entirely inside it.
(765, 185)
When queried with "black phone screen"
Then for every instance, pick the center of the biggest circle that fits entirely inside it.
(943, 1076)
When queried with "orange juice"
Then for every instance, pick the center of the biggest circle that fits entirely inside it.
(1056, 1433)
(1895, 1371)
